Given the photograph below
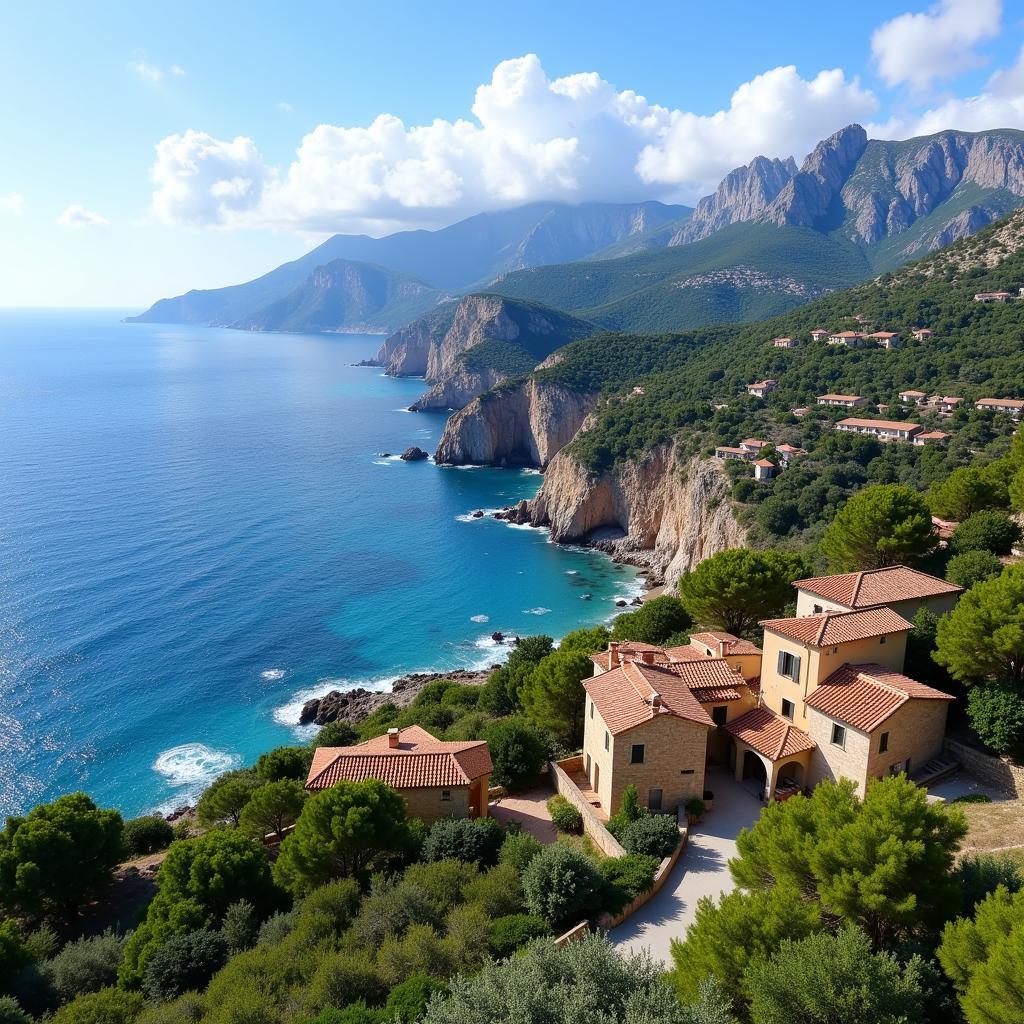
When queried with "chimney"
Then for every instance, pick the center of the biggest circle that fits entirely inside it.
(647, 657)
(655, 699)
(393, 739)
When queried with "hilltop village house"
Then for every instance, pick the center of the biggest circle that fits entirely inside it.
(762, 387)
(842, 401)
(884, 430)
(1011, 406)
(437, 778)
(824, 697)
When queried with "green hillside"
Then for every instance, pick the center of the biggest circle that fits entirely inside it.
(745, 271)
(978, 351)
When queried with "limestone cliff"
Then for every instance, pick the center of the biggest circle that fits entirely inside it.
(523, 424)
(466, 349)
(658, 512)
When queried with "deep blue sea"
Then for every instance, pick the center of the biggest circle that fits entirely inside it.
(197, 533)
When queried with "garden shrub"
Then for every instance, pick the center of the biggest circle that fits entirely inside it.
(107, 1006)
(655, 835)
(343, 978)
(627, 878)
(409, 998)
(511, 932)
(475, 840)
(147, 835)
(564, 815)
(562, 886)
(519, 850)
(85, 965)
(184, 963)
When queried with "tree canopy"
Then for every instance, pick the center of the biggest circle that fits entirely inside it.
(734, 589)
(345, 830)
(272, 808)
(654, 622)
(553, 695)
(983, 636)
(966, 491)
(59, 854)
(887, 524)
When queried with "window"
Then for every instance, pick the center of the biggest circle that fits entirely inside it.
(882, 639)
(636, 755)
(591, 709)
(838, 735)
(789, 665)
(787, 709)
(719, 714)
(686, 771)
(446, 794)
(883, 743)
(607, 740)
(817, 609)
(588, 766)
(654, 800)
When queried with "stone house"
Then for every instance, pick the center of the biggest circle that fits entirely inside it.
(898, 587)
(818, 333)
(913, 397)
(993, 296)
(923, 333)
(930, 437)
(851, 339)
(823, 698)
(1011, 406)
(887, 339)
(842, 401)
(761, 388)
(884, 430)
(437, 778)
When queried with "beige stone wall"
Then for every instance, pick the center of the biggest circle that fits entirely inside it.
(592, 824)
(806, 603)
(428, 805)
(671, 746)
(594, 753)
(915, 732)
(1000, 772)
(831, 762)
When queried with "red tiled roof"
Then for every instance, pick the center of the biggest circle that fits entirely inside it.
(856, 421)
(763, 463)
(624, 696)
(877, 586)
(417, 762)
(864, 696)
(686, 653)
(839, 398)
(1002, 403)
(769, 735)
(733, 644)
(831, 628)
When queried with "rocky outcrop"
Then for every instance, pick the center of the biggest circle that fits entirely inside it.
(656, 512)
(459, 388)
(414, 454)
(460, 350)
(524, 425)
(809, 195)
(744, 194)
(355, 705)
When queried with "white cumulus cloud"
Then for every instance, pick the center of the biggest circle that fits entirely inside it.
(778, 113)
(77, 216)
(999, 105)
(919, 49)
(14, 203)
(530, 137)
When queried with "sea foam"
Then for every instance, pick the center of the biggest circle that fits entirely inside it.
(189, 768)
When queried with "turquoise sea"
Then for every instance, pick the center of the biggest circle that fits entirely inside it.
(197, 533)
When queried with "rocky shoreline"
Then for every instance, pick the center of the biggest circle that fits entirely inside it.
(354, 705)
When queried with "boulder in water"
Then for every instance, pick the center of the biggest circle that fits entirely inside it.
(414, 454)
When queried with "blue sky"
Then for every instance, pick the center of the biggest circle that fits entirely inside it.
(578, 101)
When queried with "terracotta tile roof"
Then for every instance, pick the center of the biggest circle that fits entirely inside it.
(717, 694)
(932, 435)
(916, 394)
(877, 586)
(629, 650)
(625, 696)
(831, 628)
(864, 696)
(733, 644)
(763, 463)
(839, 398)
(1001, 403)
(698, 675)
(686, 653)
(417, 762)
(867, 424)
(769, 735)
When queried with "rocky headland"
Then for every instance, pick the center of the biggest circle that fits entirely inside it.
(354, 705)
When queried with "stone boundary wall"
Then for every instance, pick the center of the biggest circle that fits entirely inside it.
(592, 824)
(573, 934)
(999, 772)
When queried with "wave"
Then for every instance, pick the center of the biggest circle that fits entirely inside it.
(468, 517)
(288, 714)
(189, 768)
(479, 618)
(272, 675)
(536, 611)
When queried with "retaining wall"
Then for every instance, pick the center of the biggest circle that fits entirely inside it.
(592, 824)
(608, 921)
(999, 772)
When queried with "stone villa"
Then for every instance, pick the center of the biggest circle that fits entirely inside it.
(437, 778)
(824, 697)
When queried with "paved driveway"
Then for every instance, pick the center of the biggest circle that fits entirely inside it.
(530, 810)
(701, 871)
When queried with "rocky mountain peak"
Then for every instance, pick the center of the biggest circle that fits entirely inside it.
(744, 194)
(810, 194)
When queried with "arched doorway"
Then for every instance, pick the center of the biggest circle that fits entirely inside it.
(754, 772)
(792, 772)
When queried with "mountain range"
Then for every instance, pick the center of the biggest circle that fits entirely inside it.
(772, 236)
